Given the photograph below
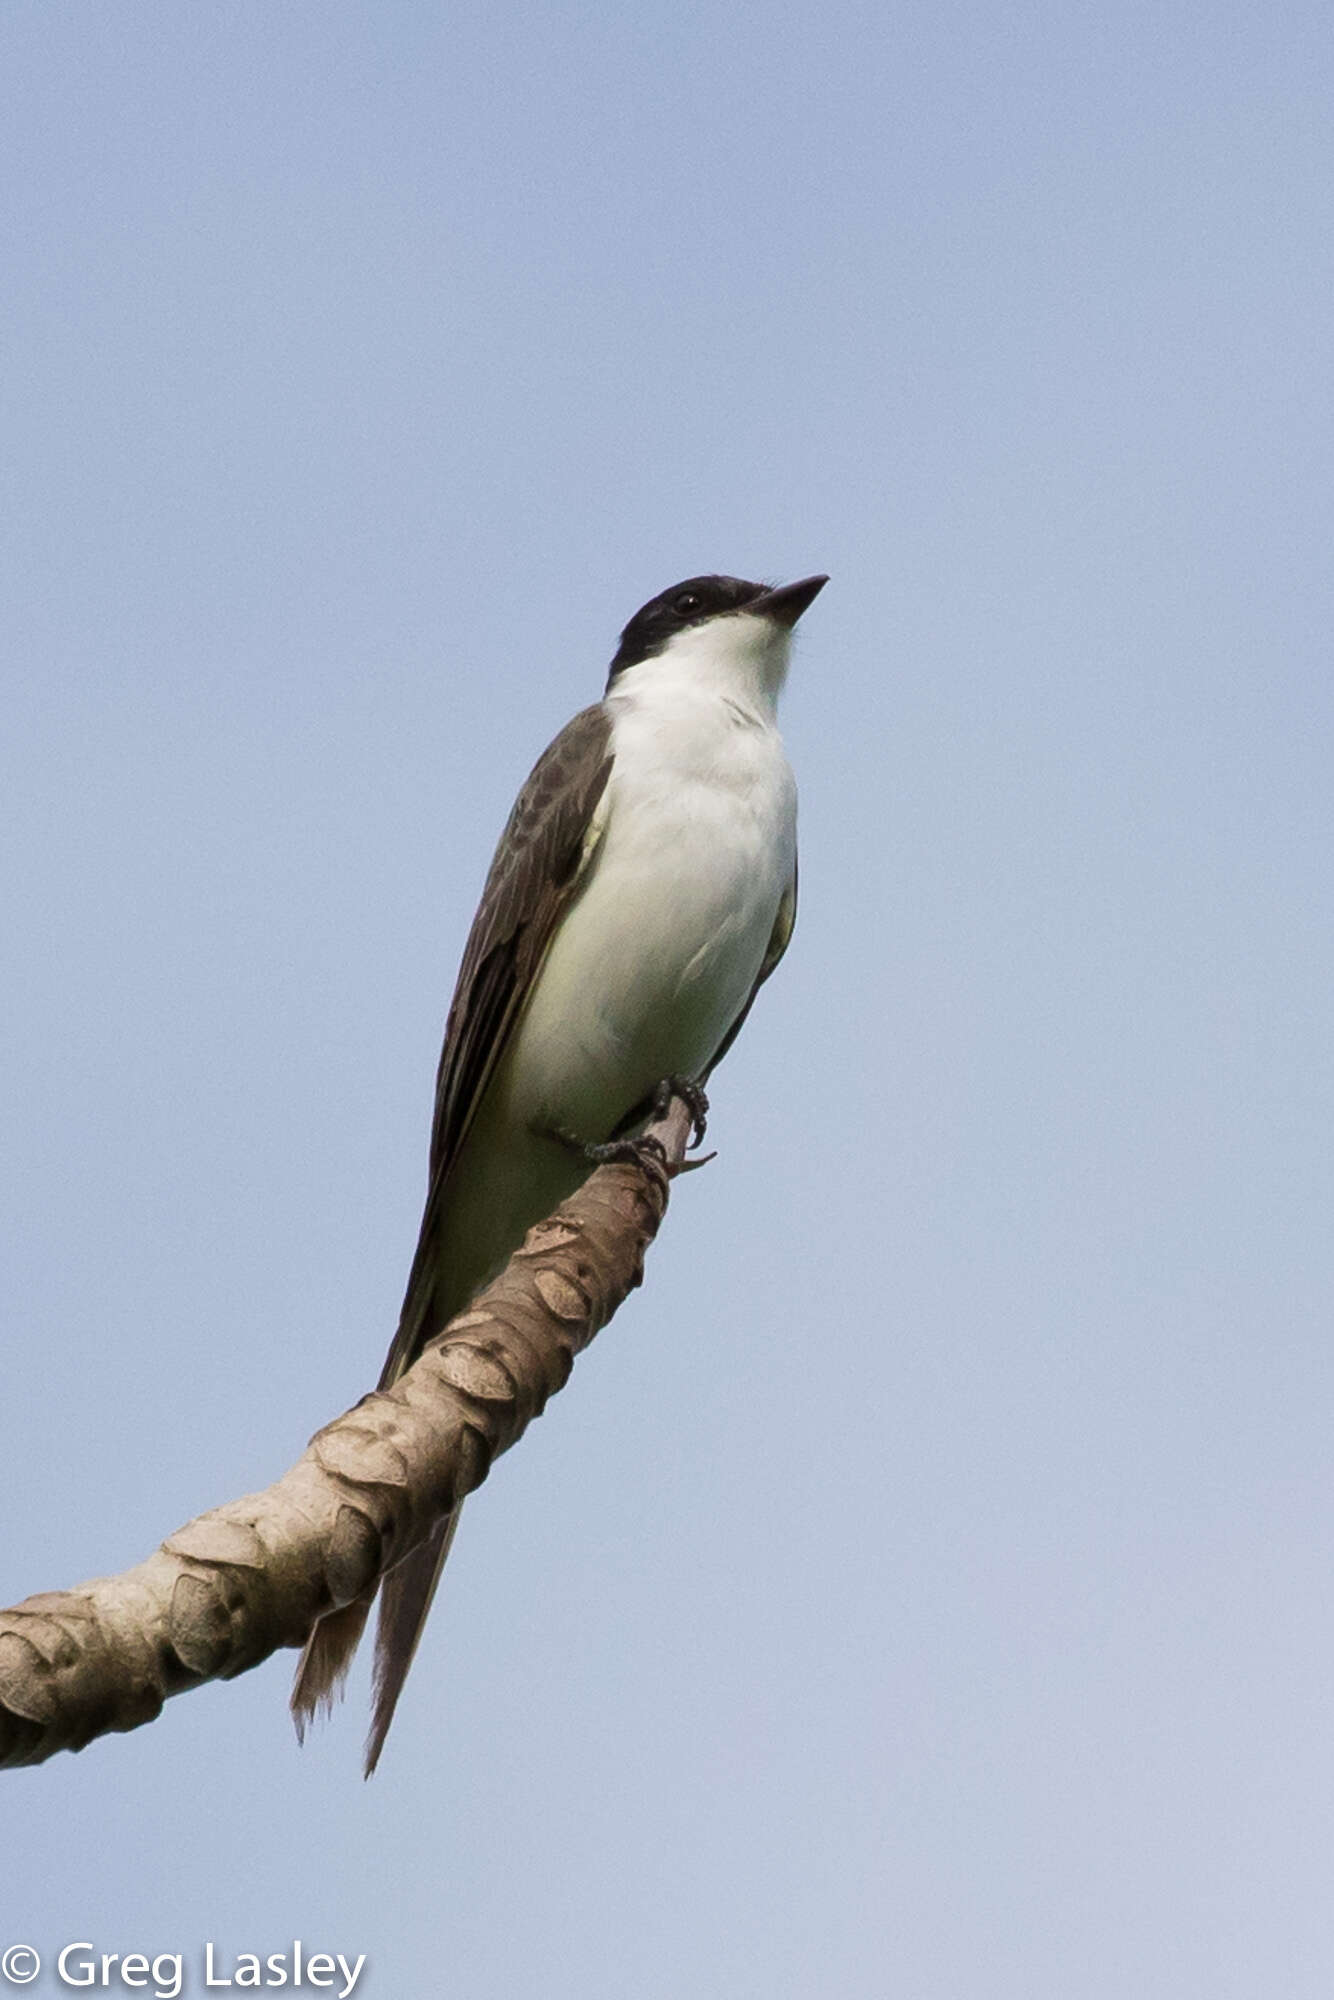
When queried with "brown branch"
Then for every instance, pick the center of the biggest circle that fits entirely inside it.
(235, 1584)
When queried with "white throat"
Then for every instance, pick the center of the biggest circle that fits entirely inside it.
(739, 658)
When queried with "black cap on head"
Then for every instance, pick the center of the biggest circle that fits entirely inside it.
(697, 600)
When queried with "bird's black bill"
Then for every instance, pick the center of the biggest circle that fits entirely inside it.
(786, 604)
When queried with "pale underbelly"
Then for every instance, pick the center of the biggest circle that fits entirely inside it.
(643, 980)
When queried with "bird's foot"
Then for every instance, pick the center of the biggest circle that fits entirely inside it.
(692, 1096)
(645, 1152)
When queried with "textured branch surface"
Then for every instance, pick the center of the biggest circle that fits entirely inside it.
(235, 1584)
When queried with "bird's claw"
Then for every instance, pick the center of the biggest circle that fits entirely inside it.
(646, 1151)
(692, 1095)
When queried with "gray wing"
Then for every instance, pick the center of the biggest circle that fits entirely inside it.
(538, 864)
(779, 939)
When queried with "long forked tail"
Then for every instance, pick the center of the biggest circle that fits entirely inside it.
(406, 1592)
(405, 1601)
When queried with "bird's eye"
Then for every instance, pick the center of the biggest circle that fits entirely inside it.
(687, 604)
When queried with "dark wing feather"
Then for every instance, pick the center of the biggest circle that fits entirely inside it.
(534, 873)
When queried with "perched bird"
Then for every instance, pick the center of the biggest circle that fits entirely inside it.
(644, 887)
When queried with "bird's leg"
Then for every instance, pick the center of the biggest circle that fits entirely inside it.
(646, 1151)
(692, 1096)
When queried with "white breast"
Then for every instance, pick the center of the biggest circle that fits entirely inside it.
(658, 954)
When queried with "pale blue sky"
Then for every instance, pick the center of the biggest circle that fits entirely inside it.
(926, 1587)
